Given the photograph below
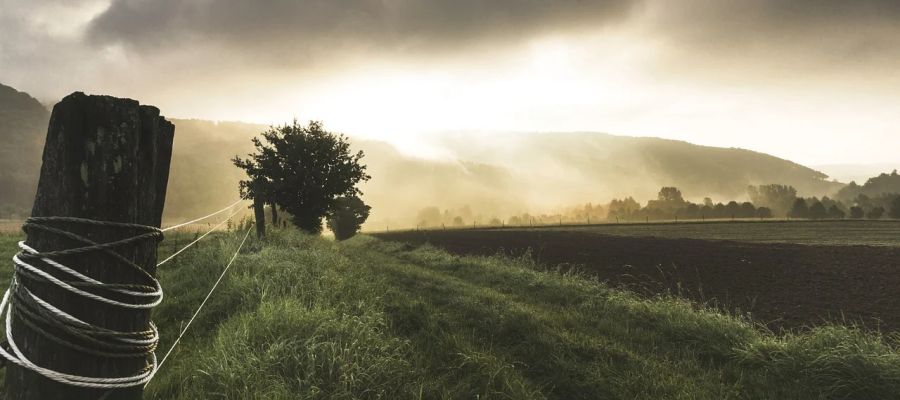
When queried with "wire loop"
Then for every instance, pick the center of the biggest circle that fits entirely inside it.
(21, 304)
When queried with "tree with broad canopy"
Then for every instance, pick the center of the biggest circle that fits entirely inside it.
(303, 170)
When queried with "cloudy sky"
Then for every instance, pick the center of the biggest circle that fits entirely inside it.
(815, 81)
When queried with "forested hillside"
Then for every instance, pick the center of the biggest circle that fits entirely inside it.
(874, 187)
(616, 166)
(23, 123)
(496, 175)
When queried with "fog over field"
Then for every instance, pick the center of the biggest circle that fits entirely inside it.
(488, 109)
(478, 175)
(450, 199)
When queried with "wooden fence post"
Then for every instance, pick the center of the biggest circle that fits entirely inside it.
(104, 159)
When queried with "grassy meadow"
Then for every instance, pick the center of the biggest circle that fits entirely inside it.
(302, 317)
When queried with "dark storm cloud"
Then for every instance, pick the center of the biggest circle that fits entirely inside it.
(698, 38)
(383, 24)
(290, 28)
(791, 28)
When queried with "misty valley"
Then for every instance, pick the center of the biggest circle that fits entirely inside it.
(448, 199)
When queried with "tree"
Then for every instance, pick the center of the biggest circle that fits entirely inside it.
(776, 197)
(732, 209)
(623, 208)
(895, 206)
(764, 212)
(799, 209)
(836, 213)
(817, 211)
(719, 211)
(347, 216)
(856, 212)
(429, 216)
(747, 210)
(670, 195)
(304, 170)
(875, 213)
(692, 211)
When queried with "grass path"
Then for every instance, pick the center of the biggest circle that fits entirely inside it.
(300, 317)
(539, 341)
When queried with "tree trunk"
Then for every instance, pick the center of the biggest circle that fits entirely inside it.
(259, 211)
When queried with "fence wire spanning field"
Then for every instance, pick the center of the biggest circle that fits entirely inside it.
(19, 299)
(231, 211)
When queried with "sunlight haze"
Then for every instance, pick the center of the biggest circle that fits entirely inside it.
(806, 89)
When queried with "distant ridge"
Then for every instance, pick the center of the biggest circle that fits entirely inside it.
(495, 174)
(638, 166)
(23, 125)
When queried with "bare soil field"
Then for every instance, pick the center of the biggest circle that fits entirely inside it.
(782, 285)
(824, 232)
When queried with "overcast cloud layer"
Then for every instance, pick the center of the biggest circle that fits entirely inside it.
(320, 24)
(181, 53)
(862, 30)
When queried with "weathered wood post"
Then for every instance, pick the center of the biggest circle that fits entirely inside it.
(105, 159)
(259, 211)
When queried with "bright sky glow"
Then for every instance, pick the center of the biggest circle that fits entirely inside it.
(628, 78)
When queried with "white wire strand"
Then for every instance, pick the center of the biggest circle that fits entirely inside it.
(21, 264)
(74, 380)
(203, 303)
(205, 217)
(28, 249)
(198, 239)
(17, 357)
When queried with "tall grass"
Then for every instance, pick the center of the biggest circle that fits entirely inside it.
(300, 317)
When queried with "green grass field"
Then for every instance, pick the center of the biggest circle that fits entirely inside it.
(302, 317)
(845, 232)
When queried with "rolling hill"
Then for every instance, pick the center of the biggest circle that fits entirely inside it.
(590, 163)
(23, 121)
(493, 174)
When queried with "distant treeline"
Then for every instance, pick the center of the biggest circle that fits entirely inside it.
(766, 201)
